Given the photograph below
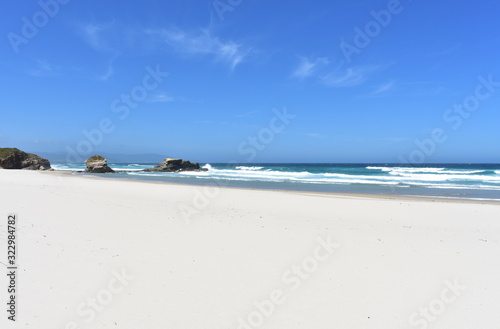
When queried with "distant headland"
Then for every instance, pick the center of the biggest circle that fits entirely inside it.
(13, 158)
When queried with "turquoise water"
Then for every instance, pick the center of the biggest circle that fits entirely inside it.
(470, 181)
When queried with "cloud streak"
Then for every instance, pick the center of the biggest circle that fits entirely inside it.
(161, 97)
(347, 77)
(309, 67)
(100, 36)
(44, 69)
(341, 76)
(109, 73)
(202, 42)
(382, 89)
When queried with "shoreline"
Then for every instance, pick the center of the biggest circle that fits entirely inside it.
(320, 193)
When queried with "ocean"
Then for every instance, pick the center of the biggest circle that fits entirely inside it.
(466, 181)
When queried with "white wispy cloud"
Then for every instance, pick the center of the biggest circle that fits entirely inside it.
(99, 36)
(308, 67)
(342, 75)
(446, 51)
(346, 77)
(202, 42)
(109, 73)
(161, 97)
(91, 32)
(113, 38)
(382, 89)
(406, 89)
(104, 38)
(44, 69)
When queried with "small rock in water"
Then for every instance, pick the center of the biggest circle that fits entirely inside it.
(176, 165)
(97, 164)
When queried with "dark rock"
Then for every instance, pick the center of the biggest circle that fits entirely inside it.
(13, 158)
(97, 164)
(176, 165)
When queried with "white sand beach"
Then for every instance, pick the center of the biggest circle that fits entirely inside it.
(101, 253)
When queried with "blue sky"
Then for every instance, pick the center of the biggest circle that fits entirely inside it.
(357, 81)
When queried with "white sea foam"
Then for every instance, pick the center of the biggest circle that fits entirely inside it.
(441, 181)
(304, 176)
(127, 169)
(66, 167)
(438, 171)
(348, 181)
(445, 177)
(299, 177)
(226, 178)
(457, 186)
(249, 168)
(61, 167)
(463, 172)
(436, 178)
(427, 173)
(380, 168)
(193, 173)
(407, 169)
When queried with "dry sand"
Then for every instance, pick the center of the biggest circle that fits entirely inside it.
(97, 253)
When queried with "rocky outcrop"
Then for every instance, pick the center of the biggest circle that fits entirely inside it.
(97, 164)
(176, 165)
(13, 158)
